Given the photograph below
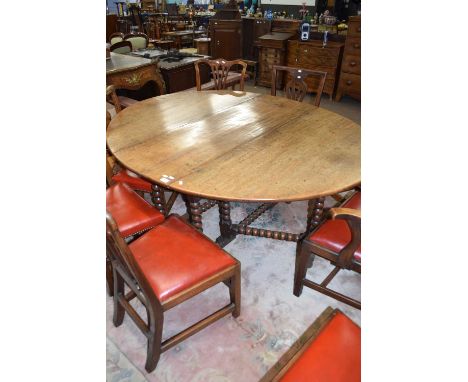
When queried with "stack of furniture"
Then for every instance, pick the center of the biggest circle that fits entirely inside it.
(271, 51)
(350, 77)
(314, 56)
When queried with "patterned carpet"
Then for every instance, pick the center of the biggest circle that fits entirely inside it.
(271, 319)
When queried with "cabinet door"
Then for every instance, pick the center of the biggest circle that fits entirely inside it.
(226, 43)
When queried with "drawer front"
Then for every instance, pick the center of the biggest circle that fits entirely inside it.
(354, 29)
(311, 57)
(351, 64)
(353, 46)
(351, 83)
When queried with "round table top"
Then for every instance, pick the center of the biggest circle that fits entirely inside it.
(231, 145)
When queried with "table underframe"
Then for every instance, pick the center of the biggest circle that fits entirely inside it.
(230, 230)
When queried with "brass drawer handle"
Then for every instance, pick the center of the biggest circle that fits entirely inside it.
(356, 45)
(349, 82)
(352, 63)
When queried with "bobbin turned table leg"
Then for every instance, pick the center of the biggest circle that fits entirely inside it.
(158, 198)
(314, 213)
(225, 225)
(314, 216)
(194, 211)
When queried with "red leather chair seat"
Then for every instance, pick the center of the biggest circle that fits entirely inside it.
(334, 356)
(174, 256)
(335, 234)
(130, 211)
(136, 183)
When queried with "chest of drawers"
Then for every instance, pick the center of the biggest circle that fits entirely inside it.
(312, 55)
(271, 51)
(350, 76)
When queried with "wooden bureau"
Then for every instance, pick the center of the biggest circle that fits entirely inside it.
(271, 51)
(350, 77)
(312, 55)
(226, 39)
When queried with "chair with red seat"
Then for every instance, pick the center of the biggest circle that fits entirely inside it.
(163, 268)
(133, 216)
(338, 241)
(329, 350)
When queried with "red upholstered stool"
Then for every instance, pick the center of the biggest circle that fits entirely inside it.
(164, 267)
(329, 351)
(337, 240)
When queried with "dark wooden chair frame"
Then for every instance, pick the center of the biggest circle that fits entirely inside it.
(139, 34)
(127, 272)
(219, 72)
(121, 44)
(307, 250)
(288, 359)
(296, 87)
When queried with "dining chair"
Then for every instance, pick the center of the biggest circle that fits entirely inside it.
(121, 47)
(116, 37)
(222, 78)
(337, 240)
(163, 268)
(133, 216)
(296, 87)
(329, 350)
(139, 40)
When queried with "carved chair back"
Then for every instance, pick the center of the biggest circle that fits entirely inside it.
(121, 47)
(116, 37)
(121, 255)
(138, 40)
(296, 87)
(220, 69)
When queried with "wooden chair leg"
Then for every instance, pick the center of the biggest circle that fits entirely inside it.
(109, 277)
(304, 260)
(153, 354)
(119, 291)
(235, 292)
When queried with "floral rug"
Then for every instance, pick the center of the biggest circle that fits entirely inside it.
(271, 319)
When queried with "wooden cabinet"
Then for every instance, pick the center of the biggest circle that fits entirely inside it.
(271, 51)
(312, 55)
(350, 77)
(226, 39)
(252, 29)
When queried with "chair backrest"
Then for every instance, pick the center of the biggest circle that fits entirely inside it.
(296, 87)
(109, 172)
(116, 37)
(121, 47)
(219, 71)
(118, 250)
(138, 40)
(112, 96)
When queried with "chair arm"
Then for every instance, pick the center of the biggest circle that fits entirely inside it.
(353, 219)
(345, 213)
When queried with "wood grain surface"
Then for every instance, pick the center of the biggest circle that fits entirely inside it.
(226, 145)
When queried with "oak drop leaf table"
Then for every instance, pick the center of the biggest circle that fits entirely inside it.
(239, 146)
